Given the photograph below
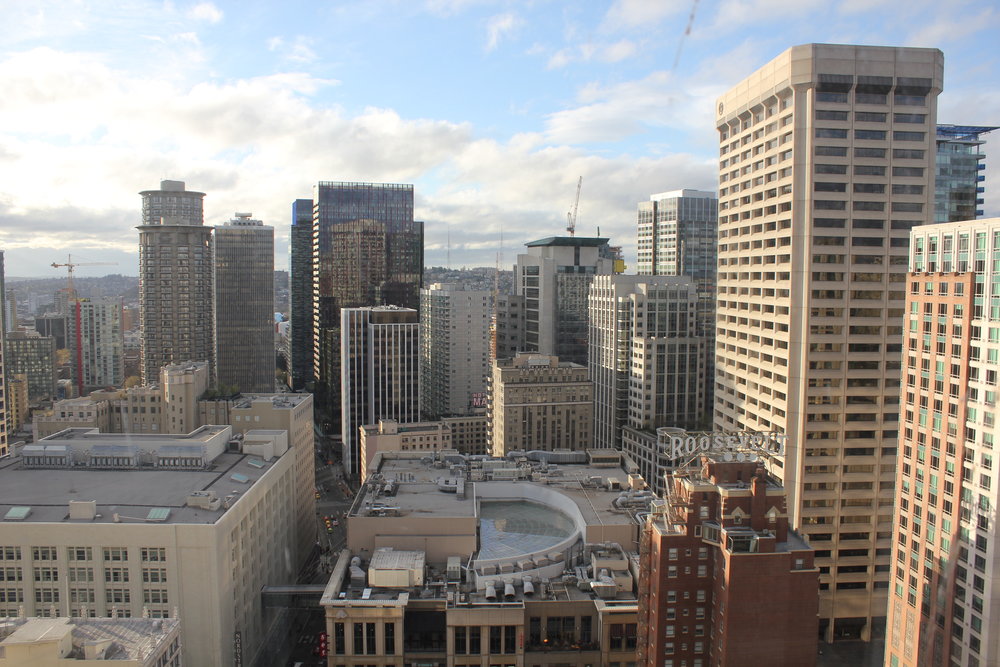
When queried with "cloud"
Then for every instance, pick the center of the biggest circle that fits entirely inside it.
(948, 28)
(739, 14)
(204, 11)
(298, 51)
(613, 113)
(593, 51)
(500, 26)
(640, 13)
(79, 140)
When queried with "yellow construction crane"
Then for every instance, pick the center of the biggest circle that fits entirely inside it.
(571, 215)
(70, 265)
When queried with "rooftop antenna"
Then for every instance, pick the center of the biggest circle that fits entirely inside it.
(449, 247)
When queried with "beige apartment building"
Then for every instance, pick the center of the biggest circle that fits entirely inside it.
(539, 402)
(826, 162)
(78, 642)
(187, 526)
(942, 605)
(457, 561)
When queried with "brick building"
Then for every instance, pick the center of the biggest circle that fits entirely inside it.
(723, 581)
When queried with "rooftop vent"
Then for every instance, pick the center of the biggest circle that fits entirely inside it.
(158, 514)
(83, 509)
(17, 514)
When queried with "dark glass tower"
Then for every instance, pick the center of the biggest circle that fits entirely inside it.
(367, 251)
(300, 356)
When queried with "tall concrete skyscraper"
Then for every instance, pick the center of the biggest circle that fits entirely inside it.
(300, 263)
(647, 361)
(380, 351)
(454, 350)
(4, 420)
(367, 251)
(175, 280)
(826, 163)
(678, 236)
(551, 281)
(96, 343)
(244, 304)
(941, 607)
(959, 185)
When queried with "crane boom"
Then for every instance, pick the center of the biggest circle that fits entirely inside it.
(571, 216)
(70, 265)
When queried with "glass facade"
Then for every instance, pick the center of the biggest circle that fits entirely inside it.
(367, 251)
(300, 354)
(958, 190)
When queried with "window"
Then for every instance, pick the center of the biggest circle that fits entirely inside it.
(80, 553)
(153, 554)
(154, 596)
(115, 574)
(117, 596)
(115, 553)
(43, 553)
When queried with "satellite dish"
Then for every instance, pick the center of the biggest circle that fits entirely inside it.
(728, 456)
(739, 456)
(751, 457)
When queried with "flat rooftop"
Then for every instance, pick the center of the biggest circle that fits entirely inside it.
(131, 494)
(201, 434)
(276, 400)
(131, 638)
(418, 494)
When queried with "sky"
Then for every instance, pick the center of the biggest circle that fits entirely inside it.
(492, 109)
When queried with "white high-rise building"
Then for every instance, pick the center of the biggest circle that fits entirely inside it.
(379, 371)
(826, 163)
(646, 359)
(454, 350)
(96, 343)
(244, 304)
(552, 279)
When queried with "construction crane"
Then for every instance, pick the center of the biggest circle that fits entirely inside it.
(571, 215)
(70, 265)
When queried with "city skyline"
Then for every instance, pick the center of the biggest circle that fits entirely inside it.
(233, 98)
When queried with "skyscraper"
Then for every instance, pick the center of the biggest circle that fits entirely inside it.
(826, 162)
(646, 359)
(678, 236)
(552, 278)
(941, 609)
(300, 353)
(454, 350)
(97, 343)
(958, 187)
(175, 280)
(4, 421)
(244, 304)
(34, 355)
(380, 352)
(367, 251)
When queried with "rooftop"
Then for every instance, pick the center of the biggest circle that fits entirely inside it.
(95, 436)
(414, 484)
(122, 638)
(126, 496)
(580, 241)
